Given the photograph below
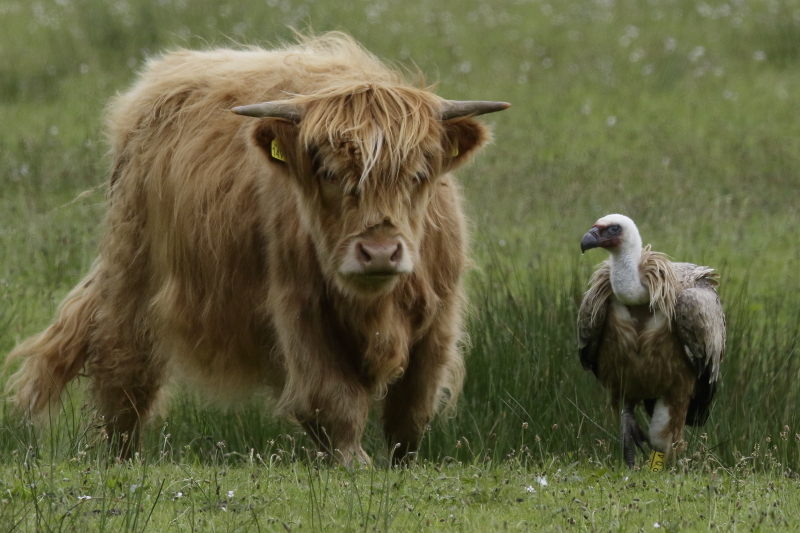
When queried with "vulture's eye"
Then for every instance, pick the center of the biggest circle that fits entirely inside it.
(613, 230)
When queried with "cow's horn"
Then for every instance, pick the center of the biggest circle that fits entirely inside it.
(282, 110)
(463, 108)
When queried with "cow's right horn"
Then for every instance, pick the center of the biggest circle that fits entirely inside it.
(463, 108)
(282, 110)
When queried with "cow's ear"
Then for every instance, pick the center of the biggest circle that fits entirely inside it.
(463, 138)
(278, 139)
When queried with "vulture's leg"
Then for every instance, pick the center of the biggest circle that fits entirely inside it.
(665, 429)
(627, 421)
(632, 434)
(666, 426)
(640, 438)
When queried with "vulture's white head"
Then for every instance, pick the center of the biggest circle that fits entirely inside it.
(616, 233)
(619, 235)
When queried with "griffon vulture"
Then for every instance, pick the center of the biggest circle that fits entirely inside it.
(651, 331)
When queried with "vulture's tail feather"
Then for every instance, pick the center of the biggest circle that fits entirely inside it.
(700, 404)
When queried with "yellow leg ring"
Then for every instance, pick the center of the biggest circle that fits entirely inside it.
(656, 461)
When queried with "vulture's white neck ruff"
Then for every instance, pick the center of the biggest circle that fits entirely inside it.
(626, 281)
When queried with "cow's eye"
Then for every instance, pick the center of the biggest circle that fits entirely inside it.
(419, 177)
(328, 177)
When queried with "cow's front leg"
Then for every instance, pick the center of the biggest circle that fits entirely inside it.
(435, 364)
(323, 390)
(334, 415)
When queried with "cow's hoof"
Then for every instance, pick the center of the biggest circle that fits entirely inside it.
(354, 459)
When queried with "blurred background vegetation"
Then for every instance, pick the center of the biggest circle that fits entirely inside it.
(681, 114)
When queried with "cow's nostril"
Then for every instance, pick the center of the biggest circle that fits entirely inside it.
(398, 254)
(363, 254)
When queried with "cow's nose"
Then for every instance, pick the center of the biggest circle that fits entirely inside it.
(379, 257)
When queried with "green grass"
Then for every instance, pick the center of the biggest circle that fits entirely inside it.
(265, 493)
(680, 114)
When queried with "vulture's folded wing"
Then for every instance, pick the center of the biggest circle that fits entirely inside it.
(591, 318)
(700, 326)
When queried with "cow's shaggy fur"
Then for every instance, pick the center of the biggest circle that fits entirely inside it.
(227, 267)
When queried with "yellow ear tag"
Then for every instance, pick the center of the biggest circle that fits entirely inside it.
(275, 151)
(656, 461)
(455, 149)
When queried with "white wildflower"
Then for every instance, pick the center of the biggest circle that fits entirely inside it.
(697, 53)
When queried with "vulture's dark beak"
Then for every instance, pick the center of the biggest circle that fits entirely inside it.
(590, 240)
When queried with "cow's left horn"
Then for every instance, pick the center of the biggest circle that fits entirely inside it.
(463, 108)
(282, 110)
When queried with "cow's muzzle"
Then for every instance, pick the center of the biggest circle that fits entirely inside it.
(379, 258)
(376, 258)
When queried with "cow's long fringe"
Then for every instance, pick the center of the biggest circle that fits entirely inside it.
(54, 357)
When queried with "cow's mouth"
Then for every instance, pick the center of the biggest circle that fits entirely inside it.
(378, 278)
(371, 284)
(383, 274)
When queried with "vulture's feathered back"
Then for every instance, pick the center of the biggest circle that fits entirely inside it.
(652, 331)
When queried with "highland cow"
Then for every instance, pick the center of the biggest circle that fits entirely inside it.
(313, 245)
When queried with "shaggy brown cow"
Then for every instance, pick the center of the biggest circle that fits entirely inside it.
(317, 250)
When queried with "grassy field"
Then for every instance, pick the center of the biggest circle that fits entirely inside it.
(680, 114)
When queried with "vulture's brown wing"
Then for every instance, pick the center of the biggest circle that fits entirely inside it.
(700, 326)
(591, 318)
